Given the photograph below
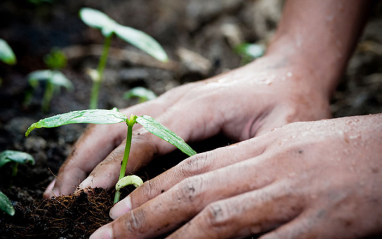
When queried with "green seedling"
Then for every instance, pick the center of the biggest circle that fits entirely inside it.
(249, 51)
(112, 117)
(16, 158)
(54, 79)
(109, 27)
(6, 53)
(6, 205)
(141, 93)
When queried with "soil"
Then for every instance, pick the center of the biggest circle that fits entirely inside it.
(33, 30)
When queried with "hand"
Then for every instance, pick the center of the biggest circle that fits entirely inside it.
(242, 103)
(304, 180)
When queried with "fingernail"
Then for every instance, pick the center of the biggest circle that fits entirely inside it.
(51, 191)
(86, 183)
(104, 232)
(121, 208)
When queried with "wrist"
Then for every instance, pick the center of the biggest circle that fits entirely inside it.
(322, 66)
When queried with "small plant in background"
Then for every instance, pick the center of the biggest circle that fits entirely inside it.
(6, 54)
(141, 93)
(109, 27)
(249, 51)
(15, 158)
(112, 117)
(53, 78)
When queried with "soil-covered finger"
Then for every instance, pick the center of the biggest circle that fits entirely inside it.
(247, 214)
(195, 165)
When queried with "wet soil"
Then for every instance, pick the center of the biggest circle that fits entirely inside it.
(199, 26)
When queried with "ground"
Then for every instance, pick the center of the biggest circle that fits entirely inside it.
(198, 36)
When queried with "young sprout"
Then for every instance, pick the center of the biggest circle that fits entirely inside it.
(112, 117)
(141, 93)
(6, 205)
(109, 27)
(6, 53)
(15, 157)
(54, 79)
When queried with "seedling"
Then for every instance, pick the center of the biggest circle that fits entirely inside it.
(16, 158)
(6, 53)
(6, 205)
(54, 79)
(141, 93)
(112, 117)
(109, 27)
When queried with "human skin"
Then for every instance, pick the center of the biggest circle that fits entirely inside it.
(292, 82)
(316, 179)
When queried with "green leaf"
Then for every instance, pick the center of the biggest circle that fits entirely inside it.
(108, 26)
(56, 59)
(142, 93)
(128, 180)
(15, 156)
(6, 53)
(154, 127)
(6, 205)
(82, 116)
(55, 77)
(99, 20)
(142, 41)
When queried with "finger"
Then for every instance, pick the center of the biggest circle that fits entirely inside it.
(195, 165)
(183, 201)
(78, 164)
(292, 230)
(244, 215)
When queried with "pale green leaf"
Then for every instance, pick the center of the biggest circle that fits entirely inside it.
(15, 156)
(142, 93)
(6, 53)
(82, 116)
(6, 205)
(55, 77)
(99, 20)
(154, 127)
(128, 180)
(142, 41)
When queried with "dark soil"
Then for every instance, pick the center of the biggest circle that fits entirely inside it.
(197, 25)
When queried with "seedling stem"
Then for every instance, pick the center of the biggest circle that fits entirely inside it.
(101, 67)
(130, 123)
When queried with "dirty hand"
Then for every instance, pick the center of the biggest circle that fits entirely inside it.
(242, 103)
(304, 180)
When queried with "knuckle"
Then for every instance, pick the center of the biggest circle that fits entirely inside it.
(189, 189)
(197, 164)
(148, 189)
(217, 216)
(115, 155)
(135, 222)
